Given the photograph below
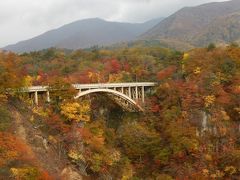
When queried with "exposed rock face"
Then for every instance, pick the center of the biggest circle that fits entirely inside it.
(68, 173)
(46, 155)
(40, 142)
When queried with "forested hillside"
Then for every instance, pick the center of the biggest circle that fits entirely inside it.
(190, 128)
(216, 22)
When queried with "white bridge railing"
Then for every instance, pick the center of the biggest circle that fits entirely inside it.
(93, 86)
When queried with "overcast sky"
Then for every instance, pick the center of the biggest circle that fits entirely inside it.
(23, 19)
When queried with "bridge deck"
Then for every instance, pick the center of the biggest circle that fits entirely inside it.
(113, 85)
(94, 86)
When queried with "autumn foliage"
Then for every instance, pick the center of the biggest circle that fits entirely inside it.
(12, 149)
(189, 130)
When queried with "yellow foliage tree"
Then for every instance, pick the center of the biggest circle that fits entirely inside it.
(209, 100)
(197, 70)
(114, 78)
(94, 77)
(75, 111)
(27, 81)
(3, 98)
(186, 56)
(25, 173)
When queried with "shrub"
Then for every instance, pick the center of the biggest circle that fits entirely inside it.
(5, 118)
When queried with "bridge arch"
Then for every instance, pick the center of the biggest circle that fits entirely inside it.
(112, 92)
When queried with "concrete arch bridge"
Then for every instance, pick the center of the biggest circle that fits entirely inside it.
(130, 96)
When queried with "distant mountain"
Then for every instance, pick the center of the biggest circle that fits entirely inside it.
(84, 34)
(216, 22)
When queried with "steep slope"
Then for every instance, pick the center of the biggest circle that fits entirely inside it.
(222, 30)
(84, 34)
(26, 126)
(189, 22)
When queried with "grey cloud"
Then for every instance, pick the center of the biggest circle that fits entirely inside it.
(23, 19)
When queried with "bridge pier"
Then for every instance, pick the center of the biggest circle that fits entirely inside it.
(36, 98)
(48, 97)
(136, 92)
(143, 94)
(129, 92)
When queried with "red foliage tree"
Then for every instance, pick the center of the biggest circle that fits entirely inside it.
(167, 72)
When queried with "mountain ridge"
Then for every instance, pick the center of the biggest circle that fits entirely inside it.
(190, 27)
(84, 34)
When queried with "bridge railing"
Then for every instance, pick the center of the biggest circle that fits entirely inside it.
(113, 85)
(92, 86)
(134, 90)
